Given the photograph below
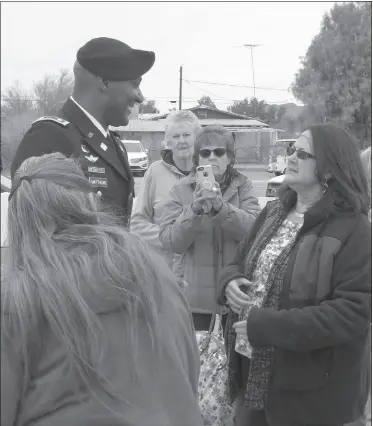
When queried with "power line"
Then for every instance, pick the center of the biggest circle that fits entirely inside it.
(221, 99)
(205, 91)
(236, 85)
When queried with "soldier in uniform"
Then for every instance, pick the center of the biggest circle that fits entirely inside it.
(107, 79)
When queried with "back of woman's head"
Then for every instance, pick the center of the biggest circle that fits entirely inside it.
(49, 193)
(65, 257)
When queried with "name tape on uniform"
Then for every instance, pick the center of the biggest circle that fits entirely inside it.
(98, 182)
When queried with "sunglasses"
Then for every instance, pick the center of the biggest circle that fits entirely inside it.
(302, 155)
(218, 152)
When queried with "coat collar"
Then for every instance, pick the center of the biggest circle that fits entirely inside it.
(94, 138)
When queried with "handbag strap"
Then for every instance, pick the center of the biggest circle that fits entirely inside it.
(217, 311)
(214, 327)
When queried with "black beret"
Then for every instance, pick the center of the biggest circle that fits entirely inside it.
(113, 60)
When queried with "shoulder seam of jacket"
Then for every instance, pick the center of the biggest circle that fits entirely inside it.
(58, 120)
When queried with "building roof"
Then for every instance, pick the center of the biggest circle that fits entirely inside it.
(201, 107)
(159, 125)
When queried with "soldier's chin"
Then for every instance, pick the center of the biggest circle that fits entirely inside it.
(119, 121)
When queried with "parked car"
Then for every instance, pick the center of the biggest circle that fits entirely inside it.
(273, 186)
(137, 156)
(281, 146)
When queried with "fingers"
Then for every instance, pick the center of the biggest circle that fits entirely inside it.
(201, 200)
(242, 281)
(240, 329)
(234, 291)
(235, 307)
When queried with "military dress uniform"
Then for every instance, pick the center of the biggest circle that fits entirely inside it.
(104, 160)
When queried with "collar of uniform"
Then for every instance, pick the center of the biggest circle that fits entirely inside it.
(94, 121)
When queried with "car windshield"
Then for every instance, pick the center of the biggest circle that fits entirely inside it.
(133, 147)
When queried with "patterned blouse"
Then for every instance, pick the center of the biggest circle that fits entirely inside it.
(285, 235)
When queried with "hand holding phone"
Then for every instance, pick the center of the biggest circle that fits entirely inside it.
(206, 177)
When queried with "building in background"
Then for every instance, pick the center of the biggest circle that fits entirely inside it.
(253, 138)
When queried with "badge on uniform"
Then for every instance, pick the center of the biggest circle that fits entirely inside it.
(96, 170)
(90, 134)
(98, 182)
(91, 158)
(103, 146)
(84, 149)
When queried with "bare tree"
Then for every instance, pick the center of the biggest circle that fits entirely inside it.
(12, 130)
(15, 100)
(52, 91)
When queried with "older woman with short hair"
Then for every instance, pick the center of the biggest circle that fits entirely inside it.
(207, 227)
(175, 164)
(299, 293)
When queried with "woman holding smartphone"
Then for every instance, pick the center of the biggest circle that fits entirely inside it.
(207, 224)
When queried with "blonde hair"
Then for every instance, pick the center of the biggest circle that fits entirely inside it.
(62, 246)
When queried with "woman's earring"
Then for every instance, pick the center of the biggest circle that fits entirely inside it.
(325, 185)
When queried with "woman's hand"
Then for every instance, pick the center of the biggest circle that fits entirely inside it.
(241, 329)
(216, 198)
(237, 299)
(201, 203)
(206, 200)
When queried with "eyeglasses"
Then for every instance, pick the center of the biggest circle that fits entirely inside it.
(302, 155)
(218, 152)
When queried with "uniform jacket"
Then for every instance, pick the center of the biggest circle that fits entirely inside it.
(147, 212)
(320, 333)
(209, 242)
(104, 160)
(165, 394)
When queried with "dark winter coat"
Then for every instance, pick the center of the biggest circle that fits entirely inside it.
(320, 332)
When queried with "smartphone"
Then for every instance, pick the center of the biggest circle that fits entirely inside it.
(206, 177)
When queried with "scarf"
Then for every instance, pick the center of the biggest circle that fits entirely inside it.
(227, 178)
(261, 358)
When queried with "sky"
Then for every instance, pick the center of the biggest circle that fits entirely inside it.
(204, 37)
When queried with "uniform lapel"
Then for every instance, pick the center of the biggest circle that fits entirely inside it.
(93, 137)
(122, 155)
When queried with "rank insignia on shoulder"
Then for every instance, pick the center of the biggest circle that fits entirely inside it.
(58, 120)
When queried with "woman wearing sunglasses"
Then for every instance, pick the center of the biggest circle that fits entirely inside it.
(208, 225)
(299, 292)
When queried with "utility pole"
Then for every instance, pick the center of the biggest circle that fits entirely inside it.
(181, 88)
(251, 46)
